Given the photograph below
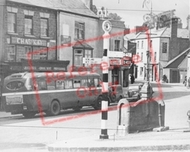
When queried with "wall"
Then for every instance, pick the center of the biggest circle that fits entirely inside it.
(2, 29)
(50, 40)
(164, 56)
(67, 21)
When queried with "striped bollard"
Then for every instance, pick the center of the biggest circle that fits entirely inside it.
(104, 105)
(106, 26)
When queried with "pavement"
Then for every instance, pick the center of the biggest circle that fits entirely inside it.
(174, 139)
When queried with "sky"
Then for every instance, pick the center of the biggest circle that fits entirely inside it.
(132, 11)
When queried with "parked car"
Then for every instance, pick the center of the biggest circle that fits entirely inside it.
(134, 94)
(115, 93)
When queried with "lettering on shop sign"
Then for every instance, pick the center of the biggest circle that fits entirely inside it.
(28, 41)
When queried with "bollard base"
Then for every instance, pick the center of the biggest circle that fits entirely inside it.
(159, 129)
(104, 136)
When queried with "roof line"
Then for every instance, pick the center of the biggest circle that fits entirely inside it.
(96, 17)
(163, 32)
(171, 61)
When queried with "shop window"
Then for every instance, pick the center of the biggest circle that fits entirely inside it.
(42, 55)
(78, 57)
(11, 53)
(116, 45)
(22, 52)
(115, 76)
(88, 55)
(44, 27)
(164, 47)
(11, 22)
(28, 28)
(79, 30)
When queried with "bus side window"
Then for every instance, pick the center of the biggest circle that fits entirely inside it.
(96, 82)
(68, 84)
(41, 84)
(91, 82)
(60, 85)
(51, 85)
(84, 83)
(76, 83)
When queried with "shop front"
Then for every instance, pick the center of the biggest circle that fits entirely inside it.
(40, 49)
(119, 69)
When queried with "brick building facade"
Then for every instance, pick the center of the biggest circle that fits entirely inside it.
(28, 29)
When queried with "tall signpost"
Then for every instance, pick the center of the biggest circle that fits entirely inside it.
(106, 26)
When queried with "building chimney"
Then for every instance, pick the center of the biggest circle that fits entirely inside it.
(173, 45)
(88, 3)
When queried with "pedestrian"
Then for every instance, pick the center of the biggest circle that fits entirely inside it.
(132, 79)
(185, 81)
(188, 83)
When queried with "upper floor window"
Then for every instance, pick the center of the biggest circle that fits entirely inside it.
(137, 44)
(141, 56)
(79, 30)
(116, 45)
(142, 44)
(11, 19)
(28, 28)
(44, 27)
(11, 22)
(164, 47)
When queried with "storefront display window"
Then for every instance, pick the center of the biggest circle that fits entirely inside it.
(11, 53)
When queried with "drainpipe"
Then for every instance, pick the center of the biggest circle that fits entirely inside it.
(58, 42)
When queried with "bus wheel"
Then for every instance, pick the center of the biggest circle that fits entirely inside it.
(97, 104)
(29, 114)
(54, 108)
(77, 108)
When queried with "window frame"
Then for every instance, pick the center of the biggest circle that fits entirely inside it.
(13, 23)
(42, 27)
(79, 32)
(117, 45)
(12, 53)
(164, 48)
(28, 17)
(78, 55)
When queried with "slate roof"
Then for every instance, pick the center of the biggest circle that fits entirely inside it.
(163, 32)
(71, 6)
(175, 62)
